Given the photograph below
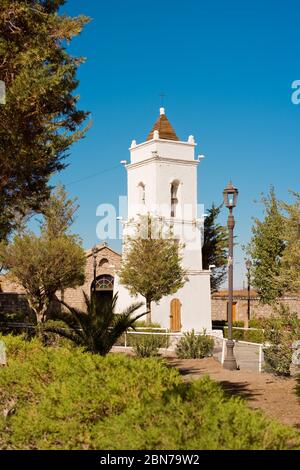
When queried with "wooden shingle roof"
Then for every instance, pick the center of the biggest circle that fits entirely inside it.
(164, 128)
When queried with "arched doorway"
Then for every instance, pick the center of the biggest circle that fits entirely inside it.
(104, 288)
(175, 315)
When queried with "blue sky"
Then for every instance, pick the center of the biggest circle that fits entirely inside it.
(226, 68)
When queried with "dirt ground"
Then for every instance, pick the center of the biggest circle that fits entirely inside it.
(275, 396)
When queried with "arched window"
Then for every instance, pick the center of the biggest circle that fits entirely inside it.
(142, 193)
(174, 197)
(104, 263)
(104, 283)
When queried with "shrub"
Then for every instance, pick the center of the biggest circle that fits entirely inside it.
(145, 324)
(192, 346)
(280, 333)
(146, 345)
(53, 399)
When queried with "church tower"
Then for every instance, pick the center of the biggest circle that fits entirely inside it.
(162, 181)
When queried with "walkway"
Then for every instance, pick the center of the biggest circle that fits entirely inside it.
(275, 396)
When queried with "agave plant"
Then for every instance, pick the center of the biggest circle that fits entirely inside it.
(98, 327)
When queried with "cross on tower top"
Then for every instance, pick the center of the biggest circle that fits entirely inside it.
(162, 96)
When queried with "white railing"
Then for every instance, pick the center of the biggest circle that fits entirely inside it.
(260, 351)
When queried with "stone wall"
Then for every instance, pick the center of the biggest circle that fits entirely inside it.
(108, 262)
(13, 303)
(257, 310)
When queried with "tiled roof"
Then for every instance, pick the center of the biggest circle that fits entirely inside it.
(164, 128)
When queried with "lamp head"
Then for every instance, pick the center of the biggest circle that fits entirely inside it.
(248, 264)
(230, 195)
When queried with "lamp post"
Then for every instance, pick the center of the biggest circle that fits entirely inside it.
(230, 195)
(94, 252)
(248, 267)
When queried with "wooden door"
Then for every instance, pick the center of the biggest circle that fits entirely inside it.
(175, 315)
(234, 316)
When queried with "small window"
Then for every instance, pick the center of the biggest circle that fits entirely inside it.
(104, 263)
(142, 193)
(174, 197)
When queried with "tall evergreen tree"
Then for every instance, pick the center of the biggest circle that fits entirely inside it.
(215, 247)
(40, 119)
(266, 249)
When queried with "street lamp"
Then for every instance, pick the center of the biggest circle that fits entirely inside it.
(94, 253)
(248, 267)
(230, 195)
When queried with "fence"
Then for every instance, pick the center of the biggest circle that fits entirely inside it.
(246, 352)
(249, 354)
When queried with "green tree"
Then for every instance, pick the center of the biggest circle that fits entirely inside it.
(290, 262)
(151, 265)
(59, 213)
(45, 264)
(40, 119)
(215, 247)
(266, 249)
(97, 328)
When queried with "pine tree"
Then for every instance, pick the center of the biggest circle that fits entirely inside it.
(266, 249)
(215, 247)
(40, 119)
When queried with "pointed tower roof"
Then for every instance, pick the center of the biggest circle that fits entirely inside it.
(164, 128)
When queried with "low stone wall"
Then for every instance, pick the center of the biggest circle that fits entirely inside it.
(257, 310)
(11, 302)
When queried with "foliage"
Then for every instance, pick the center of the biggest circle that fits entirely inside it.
(50, 262)
(290, 263)
(98, 328)
(253, 336)
(215, 247)
(145, 324)
(67, 399)
(151, 265)
(59, 213)
(146, 345)
(281, 331)
(266, 249)
(40, 120)
(193, 346)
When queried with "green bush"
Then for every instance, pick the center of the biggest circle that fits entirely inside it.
(145, 324)
(192, 346)
(281, 330)
(68, 399)
(146, 345)
(251, 336)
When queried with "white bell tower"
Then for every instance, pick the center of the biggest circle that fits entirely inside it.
(162, 181)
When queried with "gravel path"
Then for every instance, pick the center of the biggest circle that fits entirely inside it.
(275, 396)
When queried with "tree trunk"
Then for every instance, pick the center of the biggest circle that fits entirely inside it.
(39, 311)
(148, 307)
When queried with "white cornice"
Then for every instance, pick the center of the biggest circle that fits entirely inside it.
(174, 161)
(149, 142)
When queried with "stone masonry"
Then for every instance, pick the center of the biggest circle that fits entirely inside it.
(240, 298)
(13, 300)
